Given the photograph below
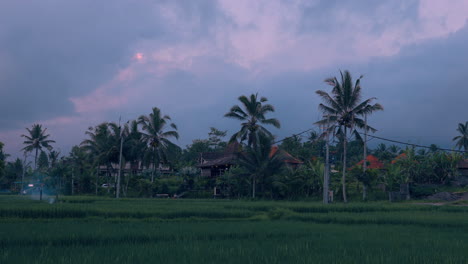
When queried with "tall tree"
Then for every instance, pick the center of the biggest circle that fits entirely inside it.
(259, 162)
(344, 111)
(215, 139)
(462, 139)
(135, 146)
(103, 146)
(53, 158)
(2, 161)
(36, 140)
(43, 161)
(252, 117)
(156, 136)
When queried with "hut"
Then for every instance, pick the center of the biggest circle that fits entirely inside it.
(213, 164)
(462, 167)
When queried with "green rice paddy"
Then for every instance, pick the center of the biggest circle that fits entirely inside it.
(98, 230)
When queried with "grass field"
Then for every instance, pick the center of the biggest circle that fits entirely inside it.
(96, 230)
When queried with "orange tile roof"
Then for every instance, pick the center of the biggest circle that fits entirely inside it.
(288, 158)
(399, 157)
(373, 162)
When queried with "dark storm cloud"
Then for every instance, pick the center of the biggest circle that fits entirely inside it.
(70, 65)
(51, 50)
(424, 90)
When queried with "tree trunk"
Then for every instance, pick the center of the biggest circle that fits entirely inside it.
(109, 175)
(72, 181)
(35, 160)
(97, 179)
(327, 171)
(154, 164)
(152, 171)
(253, 188)
(345, 141)
(364, 192)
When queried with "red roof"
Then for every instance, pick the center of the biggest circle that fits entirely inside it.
(372, 162)
(288, 158)
(399, 157)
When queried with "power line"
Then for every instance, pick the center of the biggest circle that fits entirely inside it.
(415, 145)
(293, 135)
(381, 138)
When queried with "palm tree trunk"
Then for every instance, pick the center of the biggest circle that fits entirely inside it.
(97, 179)
(154, 165)
(253, 188)
(364, 192)
(72, 181)
(345, 141)
(35, 160)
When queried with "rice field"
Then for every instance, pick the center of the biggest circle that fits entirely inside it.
(99, 230)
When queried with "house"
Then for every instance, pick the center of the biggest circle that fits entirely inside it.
(286, 157)
(131, 168)
(372, 163)
(213, 164)
(462, 167)
(127, 168)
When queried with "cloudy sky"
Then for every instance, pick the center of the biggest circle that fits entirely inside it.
(73, 64)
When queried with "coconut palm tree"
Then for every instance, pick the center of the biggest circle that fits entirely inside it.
(259, 162)
(36, 140)
(462, 139)
(252, 116)
(53, 158)
(136, 146)
(394, 149)
(155, 135)
(103, 145)
(344, 109)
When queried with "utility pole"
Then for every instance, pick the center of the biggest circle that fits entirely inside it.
(364, 165)
(117, 193)
(22, 173)
(120, 165)
(326, 177)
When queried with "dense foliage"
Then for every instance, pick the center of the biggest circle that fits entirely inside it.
(152, 165)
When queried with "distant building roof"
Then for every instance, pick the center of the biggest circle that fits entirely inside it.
(399, 157)
(286, 157)
(463, 164)
(373, 162)
(210, 159)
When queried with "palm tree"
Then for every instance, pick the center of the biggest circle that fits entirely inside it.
(36, 140)
(252, 116)
(344, 110)
(103, 145)
(53, 158)
(155, 136)
(136, 146)
(394, 149)
(258, 161)
(462, 140)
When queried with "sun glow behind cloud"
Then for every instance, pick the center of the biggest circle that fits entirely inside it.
(138, 56)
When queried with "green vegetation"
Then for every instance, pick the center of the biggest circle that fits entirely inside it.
(252, 118)
(462, 139)
(343, 112)
(96, 230)
(138, 158)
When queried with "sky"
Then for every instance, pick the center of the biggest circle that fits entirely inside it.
(69, 65)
